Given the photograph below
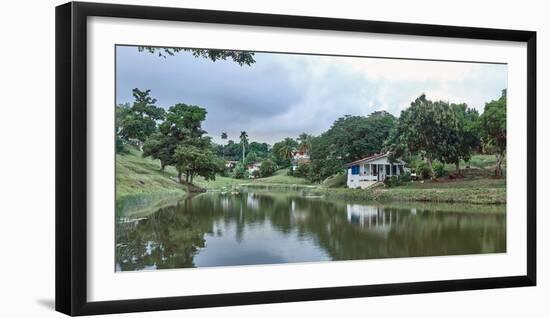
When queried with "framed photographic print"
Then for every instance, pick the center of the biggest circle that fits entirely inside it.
(209, 158)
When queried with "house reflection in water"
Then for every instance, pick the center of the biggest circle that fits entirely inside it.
(374, 218)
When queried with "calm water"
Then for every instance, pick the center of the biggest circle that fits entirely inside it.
(215, 229)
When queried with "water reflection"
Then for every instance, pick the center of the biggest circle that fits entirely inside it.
(216, 229)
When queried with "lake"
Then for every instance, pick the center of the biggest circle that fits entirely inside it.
(248, 228)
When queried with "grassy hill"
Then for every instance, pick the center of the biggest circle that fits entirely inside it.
(138, 176)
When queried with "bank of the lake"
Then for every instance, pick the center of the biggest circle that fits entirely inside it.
(140, 184)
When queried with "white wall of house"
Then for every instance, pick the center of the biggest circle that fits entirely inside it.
(366, 176)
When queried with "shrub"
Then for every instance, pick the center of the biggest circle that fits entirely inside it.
(240, 172)
(439, 170)
(392, 181)
(256, 173)
(422, 170)
(405, 177)
(302, 171)
(267, 168)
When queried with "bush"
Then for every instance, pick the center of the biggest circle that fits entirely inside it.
(256, 173)
(302, 171)
(267, 168)
(392, 181)
(422, 170)
(395, 181)
(439, 170)
(240, 172)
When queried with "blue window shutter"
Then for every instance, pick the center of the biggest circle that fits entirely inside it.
(354, 169)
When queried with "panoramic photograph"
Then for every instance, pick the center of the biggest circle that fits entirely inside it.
(233, 158)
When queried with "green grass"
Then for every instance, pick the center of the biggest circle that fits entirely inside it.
(280, 177)
(470, 190)
(139, 182)
(142, 176)
(335, 181)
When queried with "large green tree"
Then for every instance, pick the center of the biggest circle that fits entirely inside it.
(349, 138)
(192, 160)
(139, 121)
(428, 128)
(463, 137)
(492, 126)
(282, 151)
(304, 142)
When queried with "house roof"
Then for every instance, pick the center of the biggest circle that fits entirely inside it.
(369, 158)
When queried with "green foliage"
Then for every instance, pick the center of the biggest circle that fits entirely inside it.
(423, 170)
(267, 168)
(255, 173)
(304, 142)
(335, 181)
(240, 172)
(192, 160)
(250, 158)
(160, 146)
(240, 57)
(492, 126)
(349, 138)
(282, 151)
(244, 142)
(433, 129)
(302, 170)
(439, 169)
(139, 121)
(395, 181)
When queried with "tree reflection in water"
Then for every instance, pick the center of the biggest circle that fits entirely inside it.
(214, 229)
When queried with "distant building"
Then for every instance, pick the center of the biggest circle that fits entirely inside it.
(299, 157)
(255, 166)
(367, 171)
(231, 164)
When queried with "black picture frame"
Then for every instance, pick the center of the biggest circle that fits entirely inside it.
(71, 157)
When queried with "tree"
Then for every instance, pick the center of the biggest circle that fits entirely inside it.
(267, 168)
(260, 149)
(240, 57)
(250, 158)
(244, 141)
(349, 138)
(465, 139)
(224, 137)
(304, 142)
(160, 146)
(428, 128)
(492, 126)
(121, 111)
(140, 120)
(193, 160)
(282, 151)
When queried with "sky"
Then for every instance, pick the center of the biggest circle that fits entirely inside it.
(283, 95)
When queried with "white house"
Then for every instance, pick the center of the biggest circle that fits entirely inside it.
(367, 171)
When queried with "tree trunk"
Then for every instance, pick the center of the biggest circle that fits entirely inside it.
(431, 167)
(179, 176)
(498, 166)
(162, 165)
(243, 153)
(457, 167)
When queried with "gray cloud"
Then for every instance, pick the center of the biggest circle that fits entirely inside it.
(283, 95)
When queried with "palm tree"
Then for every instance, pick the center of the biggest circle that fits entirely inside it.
(305, 142)
(224, 137)
(287, 148)
(244, 141)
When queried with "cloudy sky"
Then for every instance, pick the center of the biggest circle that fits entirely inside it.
(283, 95)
